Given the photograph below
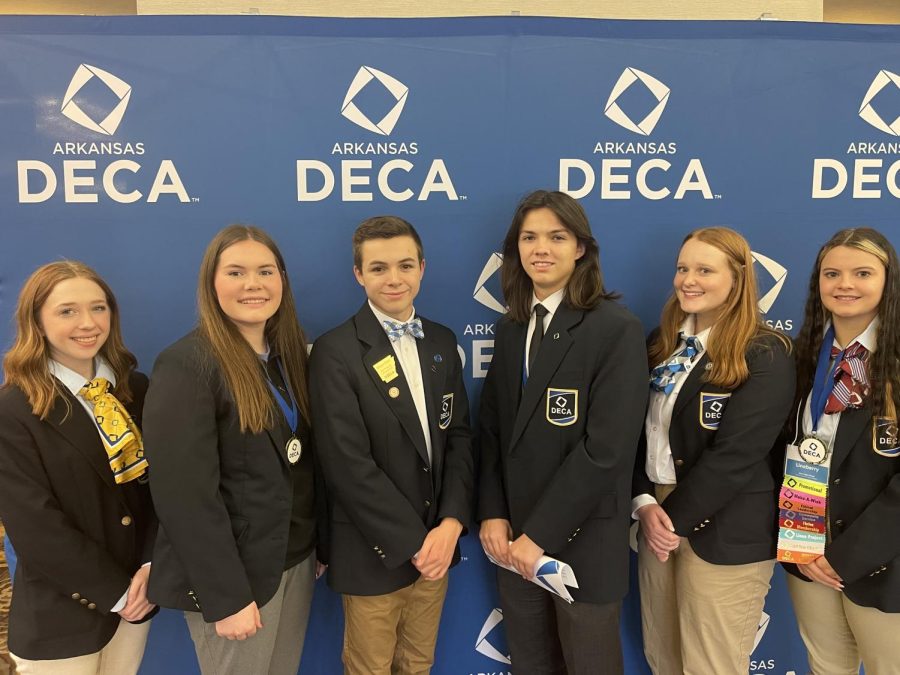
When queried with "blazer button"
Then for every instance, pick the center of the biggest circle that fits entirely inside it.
(76, 596)
(427, 502)
(679, 462)
(425, 469)
(839, 523)
(83, 601)
(92, 606)
(837, 481)
(126, 521)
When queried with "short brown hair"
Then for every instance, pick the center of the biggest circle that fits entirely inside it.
(383, 227)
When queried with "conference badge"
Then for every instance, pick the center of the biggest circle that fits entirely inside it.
(562, 406)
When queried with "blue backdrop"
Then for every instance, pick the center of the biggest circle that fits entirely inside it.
(127, 142)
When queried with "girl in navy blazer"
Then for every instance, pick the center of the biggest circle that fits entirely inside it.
(227, 430)
(82, 534)
(721, 388)
(847, 601)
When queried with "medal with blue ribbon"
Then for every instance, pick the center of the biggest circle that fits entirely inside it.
(812, 449)
(293, 448)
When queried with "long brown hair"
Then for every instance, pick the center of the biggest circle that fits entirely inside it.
(739, 321)
(883, 364)
(26, 364)
(235, 357)
(584, 289)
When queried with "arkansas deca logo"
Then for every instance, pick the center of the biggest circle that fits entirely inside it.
(866, 111)
(629, 77)
(110, 122)
(364, 76)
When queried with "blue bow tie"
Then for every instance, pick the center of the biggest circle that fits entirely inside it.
(396, 330)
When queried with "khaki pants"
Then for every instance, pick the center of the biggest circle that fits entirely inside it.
(699, 618)
(838, 633)
(121, 656)
(395, 633)
(7, 667)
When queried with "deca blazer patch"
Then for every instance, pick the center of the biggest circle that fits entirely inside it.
(711, 408)
(562, 406)
(446, 411)
(885, 439)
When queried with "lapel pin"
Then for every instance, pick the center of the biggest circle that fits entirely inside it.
(393, 392)
(556, 336)
(709, 366)
(438, 358)
(433, 368)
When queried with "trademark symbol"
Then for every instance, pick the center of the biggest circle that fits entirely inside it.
(195, 200)
(463, 198)
(717, 196)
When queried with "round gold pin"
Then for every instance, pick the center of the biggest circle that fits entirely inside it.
(393, 392)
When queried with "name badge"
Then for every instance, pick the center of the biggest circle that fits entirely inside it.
(711, 408)
(446, 411)
(562, 406)
(884, 437)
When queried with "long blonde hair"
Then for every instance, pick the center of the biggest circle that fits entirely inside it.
(235, 357)
(739, 320)
(26, 364)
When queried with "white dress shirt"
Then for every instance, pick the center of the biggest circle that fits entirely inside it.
(551, 303)
(407, 352)
(660, 466)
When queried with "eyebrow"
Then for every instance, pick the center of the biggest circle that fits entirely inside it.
(75, 304)
(236, 265)
(381, 262)
(556, 231)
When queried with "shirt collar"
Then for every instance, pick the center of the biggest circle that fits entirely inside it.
(868, 338)
(551, 303)
(382, 317)
(688, 329)
(74, 382)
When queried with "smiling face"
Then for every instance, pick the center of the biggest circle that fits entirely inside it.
(248, 287)
(547, 251)
(75, 321)
(391, 273)
(851, 284)
(703, 281)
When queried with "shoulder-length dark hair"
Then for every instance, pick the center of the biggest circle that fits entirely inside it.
(884, 363)
(234, 355)
(26, 364)
(585, 288)
(738, 323)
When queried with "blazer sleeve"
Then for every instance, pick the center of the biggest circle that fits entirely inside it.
(181, 441)
(139, 384)
(750, 425)
(491, 495)
(872, 539)
(596, 466)
(44, 536)
(378, 509)
(457, 481)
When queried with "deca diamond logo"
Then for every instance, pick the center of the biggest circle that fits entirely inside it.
(778, 272)
(398, 90)
(482, 646)
(867, 112)
(760, 630)
(73, 111)
(628, 77)
(482, 294)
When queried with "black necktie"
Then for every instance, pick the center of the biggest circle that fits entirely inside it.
(539, 313)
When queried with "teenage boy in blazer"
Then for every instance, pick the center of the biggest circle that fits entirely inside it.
(390, 416)
(559, 426)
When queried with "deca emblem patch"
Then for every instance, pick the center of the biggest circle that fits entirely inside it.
(446, 411)
(562, 406)
(711, 408)
(885, 439)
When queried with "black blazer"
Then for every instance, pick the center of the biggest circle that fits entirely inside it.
(567, 486)
(864, 515)
(725, 501)
(78, 536)
(224, 497)
(384, 495)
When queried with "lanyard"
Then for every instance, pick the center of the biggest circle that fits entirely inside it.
(290, 414)
(824, 378)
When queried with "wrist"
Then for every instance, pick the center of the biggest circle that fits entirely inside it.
(452, 523)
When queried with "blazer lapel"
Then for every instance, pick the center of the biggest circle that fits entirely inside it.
(854, 422)
(554, 346)
(434, 371)
(380, 351)
(80, 431)
(692, 385)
